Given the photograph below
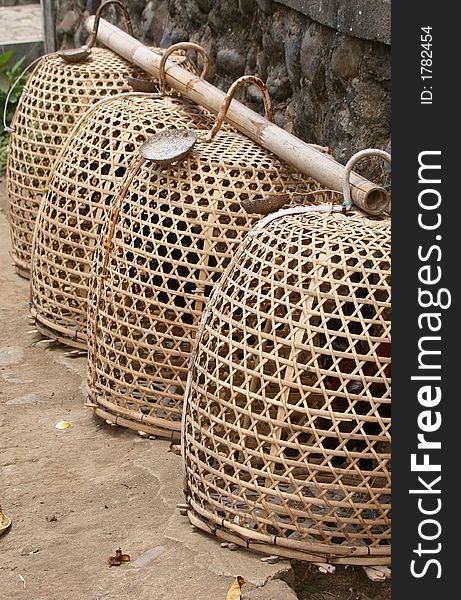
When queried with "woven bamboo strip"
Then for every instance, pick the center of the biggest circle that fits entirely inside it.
(109, 417)
(79, 195)
(302, 460)
(287, 147)
(57, 94)
(319, 550)
(170, 235)
(292, 553)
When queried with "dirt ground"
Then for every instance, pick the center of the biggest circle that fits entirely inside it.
(76, 495)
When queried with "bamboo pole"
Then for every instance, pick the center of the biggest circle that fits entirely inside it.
(365, 194)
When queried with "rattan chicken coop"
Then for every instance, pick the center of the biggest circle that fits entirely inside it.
(82, 185)
(171, 234)
(286, 432)
(57, 93)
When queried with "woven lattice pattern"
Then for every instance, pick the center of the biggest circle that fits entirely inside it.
(75, 206)
(57, 94)
(287, 415)
(172, 235)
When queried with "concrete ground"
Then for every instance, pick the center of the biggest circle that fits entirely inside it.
(76, 495)
(21, 30)
(21, 24)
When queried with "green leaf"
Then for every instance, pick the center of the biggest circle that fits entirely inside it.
(18, 67)
(4, 83)
(6, 57)
(15, 95)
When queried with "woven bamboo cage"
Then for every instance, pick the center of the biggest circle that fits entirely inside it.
(81, 186)
(57, 94)
(172, 232)
(286, 431)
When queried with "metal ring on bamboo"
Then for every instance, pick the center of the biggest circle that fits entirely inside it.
(229, 97)
(182, 46)
(76, 55)
(370, 206)
(170, 145)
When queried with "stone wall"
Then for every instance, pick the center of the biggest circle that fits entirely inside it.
(328, 86)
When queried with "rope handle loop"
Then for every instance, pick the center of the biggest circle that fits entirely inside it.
(349, 166)
(229, 97)
(97, 18)
(182, 46)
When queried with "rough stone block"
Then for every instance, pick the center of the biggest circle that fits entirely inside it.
(267, 6)
(230, 62)
(68, 22)
(346, 57)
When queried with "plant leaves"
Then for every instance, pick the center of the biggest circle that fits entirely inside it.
(4, 83)
(18, 67)
(6, 57)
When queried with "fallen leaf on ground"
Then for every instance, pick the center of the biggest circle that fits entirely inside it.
(234, 592)
(5, 521)
(115, 561)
